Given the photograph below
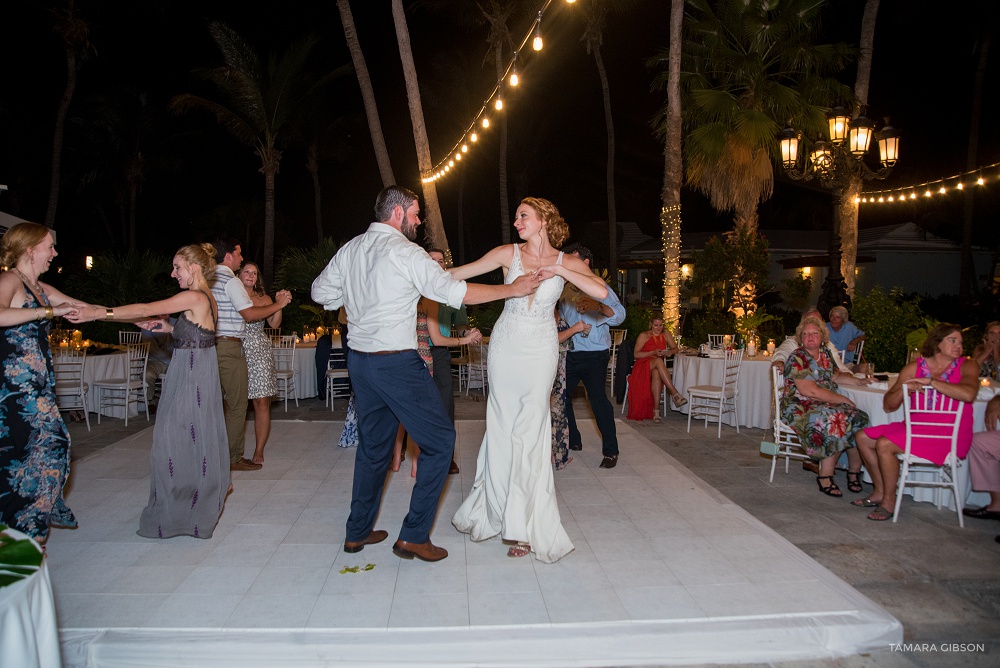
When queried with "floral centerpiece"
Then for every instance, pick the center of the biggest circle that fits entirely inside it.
(748, 323)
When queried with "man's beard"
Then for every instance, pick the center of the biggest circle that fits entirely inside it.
(409, 230)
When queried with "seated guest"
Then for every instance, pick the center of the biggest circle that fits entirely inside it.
(825, 422)
(161, 349)
(987, 353)
(984, 464)
(649, 373)
(943, 367)
(790, 344)
(844, 334)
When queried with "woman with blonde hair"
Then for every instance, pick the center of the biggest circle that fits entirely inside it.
(189, 460)
(514, 494)
(34, 458)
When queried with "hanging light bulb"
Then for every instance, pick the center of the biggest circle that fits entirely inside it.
(465, 148)
(458, 156)
(474, 137)
(980, 181)
(514, 79)
(498, 105)
(486, 122)
(536, 43)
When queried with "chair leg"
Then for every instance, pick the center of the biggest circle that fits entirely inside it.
(899, 490)
(690, 412)
(718, 433)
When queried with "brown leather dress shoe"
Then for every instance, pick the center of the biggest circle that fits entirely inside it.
(453, 469)
(424, 551)
(609, 462)
(245, 465)
(358, 545)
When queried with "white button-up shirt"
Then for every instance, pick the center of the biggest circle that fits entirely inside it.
(378, 278)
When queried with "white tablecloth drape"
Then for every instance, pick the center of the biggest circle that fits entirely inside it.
(105, 366)
(753, 404)
(870, 401)
(305, 372)
(29, 636)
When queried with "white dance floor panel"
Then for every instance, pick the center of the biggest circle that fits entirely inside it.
(666, 571)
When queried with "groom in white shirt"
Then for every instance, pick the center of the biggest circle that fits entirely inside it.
(379, 276)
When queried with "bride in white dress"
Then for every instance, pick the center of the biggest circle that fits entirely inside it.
(514, 493)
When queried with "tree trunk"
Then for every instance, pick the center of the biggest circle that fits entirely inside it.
(270, 159)
(433, 223)
(59, 132)
(849, 209)
(967, 271)
(612, 206)
(312, 164)
(367, 94)
(505, 219)
(670, 213)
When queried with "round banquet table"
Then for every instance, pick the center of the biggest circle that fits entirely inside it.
(753, 403)
(869, 399)
(29, 636)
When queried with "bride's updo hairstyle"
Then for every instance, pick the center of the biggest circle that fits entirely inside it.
(18, 239)
(555, 227)
(202, 255)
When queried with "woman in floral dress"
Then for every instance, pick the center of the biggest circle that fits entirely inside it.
(34, 442)
(560, 425)
(826, 422)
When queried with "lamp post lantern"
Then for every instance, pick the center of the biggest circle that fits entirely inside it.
(834, 163)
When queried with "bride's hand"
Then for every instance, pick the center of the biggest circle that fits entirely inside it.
(548, 271)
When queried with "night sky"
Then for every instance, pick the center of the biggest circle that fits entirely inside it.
(200, 182)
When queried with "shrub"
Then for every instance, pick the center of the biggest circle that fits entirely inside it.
(699, 324)
(886, 319)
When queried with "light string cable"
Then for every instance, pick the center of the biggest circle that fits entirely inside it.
(931, 189)
(481, 119)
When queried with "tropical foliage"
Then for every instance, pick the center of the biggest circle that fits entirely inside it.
(738, 260)
(886, 319)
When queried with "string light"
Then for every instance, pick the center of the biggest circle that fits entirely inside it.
(494, 100)
(939, 187)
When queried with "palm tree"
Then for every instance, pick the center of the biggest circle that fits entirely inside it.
(74, 32)
(257, 100)
(367, 93)
(749, 67)
(670, 213)
(595, 12)
(848, 214)
(433, 222)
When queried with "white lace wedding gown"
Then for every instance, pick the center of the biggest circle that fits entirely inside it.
(514, 492)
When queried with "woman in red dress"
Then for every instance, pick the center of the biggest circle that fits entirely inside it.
(650, 374)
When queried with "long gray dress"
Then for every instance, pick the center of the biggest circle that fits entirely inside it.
(189, 460)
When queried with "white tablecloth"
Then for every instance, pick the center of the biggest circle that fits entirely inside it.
(29, 636)
(870, 401)
(753, 403)
(305, 372)
(105, 366)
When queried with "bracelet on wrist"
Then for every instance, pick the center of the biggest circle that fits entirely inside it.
(109, 314)
(49, 313)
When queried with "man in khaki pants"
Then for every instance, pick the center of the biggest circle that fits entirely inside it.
(235, 310)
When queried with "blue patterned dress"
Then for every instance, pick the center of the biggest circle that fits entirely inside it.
(824, 429)
(34, 442)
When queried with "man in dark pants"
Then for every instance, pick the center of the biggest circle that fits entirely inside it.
(588, 361)
(378, 277)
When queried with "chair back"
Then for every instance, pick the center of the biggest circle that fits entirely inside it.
(928, 414)
(138, 355)
(477, 371)
(69, 366)
(717, 340)
(840, 355)
(858, 351)
(284, 353)
(731, 373)
(617, 337)
(129, 336)
(272, 332)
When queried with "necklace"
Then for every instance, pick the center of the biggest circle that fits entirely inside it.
(34, 286)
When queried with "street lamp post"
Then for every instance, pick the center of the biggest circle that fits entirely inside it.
(835, 163)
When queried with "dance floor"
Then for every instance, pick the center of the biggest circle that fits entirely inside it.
(666, 571)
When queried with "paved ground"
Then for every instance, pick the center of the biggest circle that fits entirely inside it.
(941, 581)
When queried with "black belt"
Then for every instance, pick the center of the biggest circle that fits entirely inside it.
(380, 352)
(229, 338)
